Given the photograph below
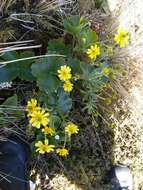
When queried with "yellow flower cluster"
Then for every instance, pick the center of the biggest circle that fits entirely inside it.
(62, 151)
(32, 106)
(64, 74)
(68, 86)
(43, 148)
(48, 131)
(39, 118)
(122, 37)
(93, 51)
(71, 129)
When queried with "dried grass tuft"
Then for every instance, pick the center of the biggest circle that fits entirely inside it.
(129, 131)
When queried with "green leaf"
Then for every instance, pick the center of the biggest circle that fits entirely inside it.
(74, 24)
(48, 83)
(19, 69)
(58, 46)
(87, 38)
(7, 74)
(64, 102)
(45, 70)
(10, 55)
(86, 69)
(49, 100)
(59, 101)
(40, 136)
(55, 121)
(75, 65)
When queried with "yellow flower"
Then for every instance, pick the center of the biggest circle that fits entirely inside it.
(71, 129)
(62, 151)
(32, 106)
(64, 73)
(39, 118)
(68, 86)
(93, 51)
(122, 37)
(106, 71)
(48, 131)
(44, 147)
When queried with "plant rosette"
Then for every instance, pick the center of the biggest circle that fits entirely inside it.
(81, 66)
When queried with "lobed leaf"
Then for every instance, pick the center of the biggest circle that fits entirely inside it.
(45, 70)
(19, 69)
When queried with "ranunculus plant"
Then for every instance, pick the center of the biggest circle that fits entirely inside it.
(75, 63)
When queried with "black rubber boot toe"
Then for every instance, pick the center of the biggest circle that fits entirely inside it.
(13, 164)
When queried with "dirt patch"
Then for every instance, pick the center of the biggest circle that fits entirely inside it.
(129, 131)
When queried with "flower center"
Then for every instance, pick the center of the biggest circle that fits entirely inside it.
(44, 148)
(64, 73)
(94, 51)
(39, 118)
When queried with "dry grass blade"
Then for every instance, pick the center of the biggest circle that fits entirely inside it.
(29, 58)
(15, 17)
(18, 48)
(18, 45)
(6, 34)
(5, 4)
(21, 17)
(44, 7)
(17, 42)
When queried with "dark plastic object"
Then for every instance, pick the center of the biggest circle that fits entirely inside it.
(121, 178)
(14, 155)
